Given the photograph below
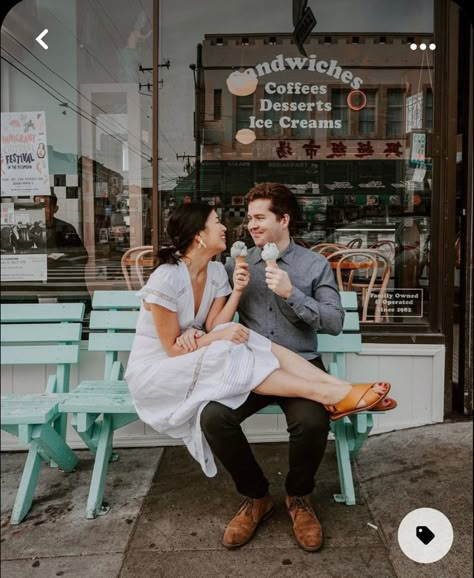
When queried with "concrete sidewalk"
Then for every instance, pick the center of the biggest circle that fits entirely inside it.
(167, 518)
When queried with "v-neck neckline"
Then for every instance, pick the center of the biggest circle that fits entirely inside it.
(196, 315)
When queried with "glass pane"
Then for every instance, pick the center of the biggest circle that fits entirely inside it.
(244, 110)
(300, 131)
(270, 115)
(85, 103)
(339, 112)
(360, 170)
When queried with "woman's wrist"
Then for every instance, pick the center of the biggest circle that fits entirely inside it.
(207, 339)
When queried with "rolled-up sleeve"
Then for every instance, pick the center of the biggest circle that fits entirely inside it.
(322, 310)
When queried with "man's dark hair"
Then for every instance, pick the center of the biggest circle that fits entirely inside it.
(52, 196)
(283, 201)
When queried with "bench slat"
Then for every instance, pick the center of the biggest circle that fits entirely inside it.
(31, 398)
(16, 412)
(351, 321)
(41, 332)
(38, 312)
(39, 354)
(113, 320)
(115, 300)
(111, 341)
(107, 403)
(349, 300)
(345, 343)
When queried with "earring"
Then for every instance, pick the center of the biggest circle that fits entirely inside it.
(201, 244)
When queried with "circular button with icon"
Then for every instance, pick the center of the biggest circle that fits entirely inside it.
(425, 535)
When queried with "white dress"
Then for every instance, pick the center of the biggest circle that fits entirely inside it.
(170, 393)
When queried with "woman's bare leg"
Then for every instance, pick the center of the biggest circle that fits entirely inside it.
(297, 365)
(299, 378)
(284, 384)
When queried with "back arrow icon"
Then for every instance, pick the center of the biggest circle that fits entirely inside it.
(39, 39)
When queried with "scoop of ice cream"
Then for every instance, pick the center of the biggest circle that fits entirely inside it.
(238, 249)
(270, 252)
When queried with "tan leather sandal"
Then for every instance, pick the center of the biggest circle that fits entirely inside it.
(385, 405)
(360, 392)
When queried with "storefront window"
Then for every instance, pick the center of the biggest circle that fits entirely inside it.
(76, 145)
(395, 106)
(345, 127)
(340, 112)
(368, 115)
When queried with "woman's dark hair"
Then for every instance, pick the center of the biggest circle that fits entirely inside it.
(183, 225)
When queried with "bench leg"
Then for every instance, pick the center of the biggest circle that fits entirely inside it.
(346, 481)
(362, 424)
(54, 446)
(90, 434)
(59, 426)
(99, 473)
(26, 489)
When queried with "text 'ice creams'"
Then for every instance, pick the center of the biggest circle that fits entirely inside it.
(238, 251)
(270, 254)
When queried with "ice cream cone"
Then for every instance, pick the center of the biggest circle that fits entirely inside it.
(239, 260)
(270, 254)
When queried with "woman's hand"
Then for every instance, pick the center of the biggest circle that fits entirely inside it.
(241, 277)
(187, 340)
(236, 333)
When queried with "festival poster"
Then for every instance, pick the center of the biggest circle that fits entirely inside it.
(24, 154)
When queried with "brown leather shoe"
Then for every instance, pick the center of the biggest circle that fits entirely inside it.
(306, 526)
(242, 527)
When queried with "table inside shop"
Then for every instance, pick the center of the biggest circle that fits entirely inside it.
(348, 265)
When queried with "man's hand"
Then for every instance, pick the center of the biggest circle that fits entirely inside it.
(278, 281)
(234, 332)
(187, 340)
(241, 277)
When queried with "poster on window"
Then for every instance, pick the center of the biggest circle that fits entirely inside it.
(414, 112)
(24, 154)
(23, 248)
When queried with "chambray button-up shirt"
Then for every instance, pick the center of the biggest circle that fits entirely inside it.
(313, 306)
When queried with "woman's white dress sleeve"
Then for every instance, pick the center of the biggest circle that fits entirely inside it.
(161, 288)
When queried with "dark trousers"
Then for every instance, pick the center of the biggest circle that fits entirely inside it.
(308, 426)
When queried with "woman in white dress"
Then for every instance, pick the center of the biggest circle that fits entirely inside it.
(188, 352)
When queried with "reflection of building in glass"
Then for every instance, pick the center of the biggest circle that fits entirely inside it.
(338, 126)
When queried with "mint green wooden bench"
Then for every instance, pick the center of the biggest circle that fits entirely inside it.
(100, 407)
(45, 334)
(350, 433)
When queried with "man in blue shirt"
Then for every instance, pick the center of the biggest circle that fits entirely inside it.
(287, 304)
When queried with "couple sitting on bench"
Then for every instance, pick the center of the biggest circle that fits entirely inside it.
(195, 375)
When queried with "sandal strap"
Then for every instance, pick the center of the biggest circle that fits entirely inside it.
(358, 393)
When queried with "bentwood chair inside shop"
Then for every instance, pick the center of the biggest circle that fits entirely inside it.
(355, 243)
(326, 249)
(133, 263)
(388, 248)
(363, 271)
